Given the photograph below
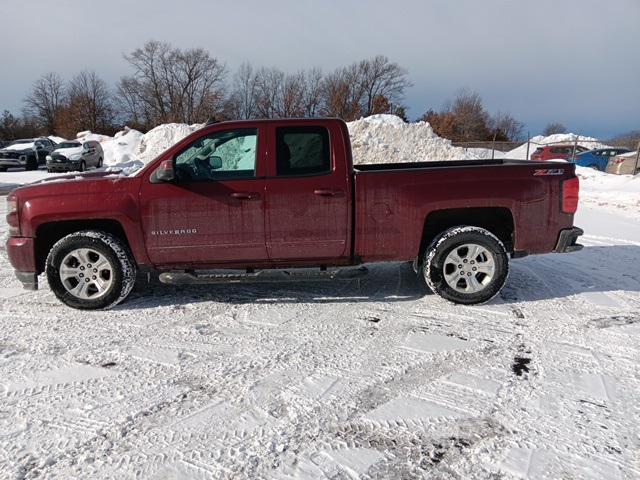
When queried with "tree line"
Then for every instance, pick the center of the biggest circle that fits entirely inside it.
(169, 84)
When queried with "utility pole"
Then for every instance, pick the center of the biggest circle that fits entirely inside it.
(493, 146)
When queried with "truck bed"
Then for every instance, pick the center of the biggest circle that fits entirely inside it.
(393, 200)
(381, 167)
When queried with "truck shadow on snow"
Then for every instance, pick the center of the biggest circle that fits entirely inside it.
(384, 283)
(594, 269)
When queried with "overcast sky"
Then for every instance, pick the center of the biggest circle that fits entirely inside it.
(573, 61)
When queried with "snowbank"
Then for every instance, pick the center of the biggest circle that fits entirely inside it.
(130, 149)
(620, 193)
(520, 153)
(157, 140)
(375, 139)
(388, 139)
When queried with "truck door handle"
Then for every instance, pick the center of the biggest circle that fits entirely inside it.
(325, 193)
(245, 195)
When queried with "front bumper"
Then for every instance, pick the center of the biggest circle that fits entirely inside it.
(21, 253)
(567, 240)
(62, 167)
(13, 162)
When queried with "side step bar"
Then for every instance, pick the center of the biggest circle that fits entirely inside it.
(261, 276)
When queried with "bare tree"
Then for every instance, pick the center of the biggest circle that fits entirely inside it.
(169, 84)
(342, 94)
(242, 102)
(130, 102)
(471, 118)
(269, 90)
(89, 102)
(381, 79)
(46, 100)
(553, 128)
(506, 127)
(364, 88)
(312, 92)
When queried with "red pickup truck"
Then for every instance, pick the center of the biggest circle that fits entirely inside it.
(269, 198)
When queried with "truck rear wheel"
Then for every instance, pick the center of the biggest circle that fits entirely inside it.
(90, 270)
(466, 265)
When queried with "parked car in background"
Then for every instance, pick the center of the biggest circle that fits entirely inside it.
(75, 155)
(27, 153)
(624, 164)
(553, 152)
(597, 158)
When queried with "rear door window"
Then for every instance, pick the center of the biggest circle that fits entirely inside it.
(302, 151)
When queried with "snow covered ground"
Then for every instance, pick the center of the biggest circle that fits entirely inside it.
(364, 379)
(369, 379)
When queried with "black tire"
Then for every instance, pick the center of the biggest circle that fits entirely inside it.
(32, 163)
(436, 265)
(99, 163)
(3, 169)
(83, 166)
(121, 265)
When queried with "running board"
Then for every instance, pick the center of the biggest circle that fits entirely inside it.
(261, 276)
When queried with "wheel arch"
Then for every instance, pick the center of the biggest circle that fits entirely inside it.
(497, 220)
(47, 234)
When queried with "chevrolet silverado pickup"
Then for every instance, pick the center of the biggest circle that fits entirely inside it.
(281, 199)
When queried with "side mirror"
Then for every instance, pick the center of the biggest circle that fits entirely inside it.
(164, 173)
(215, 163)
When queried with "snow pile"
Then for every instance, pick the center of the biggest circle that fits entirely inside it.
(129, 150)
(157, 140)
(483, 154)
(375, 139)
(613, 192)
(388, 139)
(520, 153)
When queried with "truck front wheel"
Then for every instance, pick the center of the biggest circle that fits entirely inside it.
(466, 265)
(90, 270)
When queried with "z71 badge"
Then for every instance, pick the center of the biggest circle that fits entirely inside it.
(548, 171)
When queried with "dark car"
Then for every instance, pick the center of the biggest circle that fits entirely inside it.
(554, 152)
(26, 153)
(75, 155)
(597, 158)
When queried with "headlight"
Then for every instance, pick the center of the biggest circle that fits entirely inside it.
(48, 158)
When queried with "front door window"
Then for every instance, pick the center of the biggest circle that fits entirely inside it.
(229, 155)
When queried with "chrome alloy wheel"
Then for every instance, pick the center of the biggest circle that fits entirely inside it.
(469, 268)
(86, 274)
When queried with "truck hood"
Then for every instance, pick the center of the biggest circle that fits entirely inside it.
(92, 183)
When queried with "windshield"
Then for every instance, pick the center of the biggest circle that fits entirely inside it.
(68, 145)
